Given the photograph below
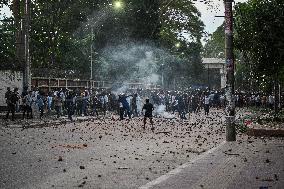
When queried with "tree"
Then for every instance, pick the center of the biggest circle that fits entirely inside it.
(7, 47)
(61, 36)
(214, 47)
(259, 26)
(181, 32)
(52, 40)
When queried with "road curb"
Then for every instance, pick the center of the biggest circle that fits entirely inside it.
(265, 132)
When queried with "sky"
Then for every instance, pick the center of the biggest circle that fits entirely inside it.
(207, 15)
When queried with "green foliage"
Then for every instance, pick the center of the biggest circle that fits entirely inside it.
(180, 20)
(7, 47)
(181, 24)
(61, 36)
(52, 43)
(259, 26)
(214, 47)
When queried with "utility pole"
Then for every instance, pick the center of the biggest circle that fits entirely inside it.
(208, 81)
(163, 64)
(229, 55)
(26, 35)
(91, 76)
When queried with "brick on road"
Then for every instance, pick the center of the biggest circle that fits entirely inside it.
(254, 163)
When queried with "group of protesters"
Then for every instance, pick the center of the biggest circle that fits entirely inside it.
(127, 103)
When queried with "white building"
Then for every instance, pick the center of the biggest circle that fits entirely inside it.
(216, 63)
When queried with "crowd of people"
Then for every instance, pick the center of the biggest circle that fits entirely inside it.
(127, 103)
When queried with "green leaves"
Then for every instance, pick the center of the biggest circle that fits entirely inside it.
(7, 44)
(258, 24)
(214, 48)
(61, 36)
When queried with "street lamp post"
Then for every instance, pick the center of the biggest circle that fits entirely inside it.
(229, 56)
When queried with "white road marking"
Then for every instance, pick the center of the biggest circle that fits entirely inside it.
(178, 169)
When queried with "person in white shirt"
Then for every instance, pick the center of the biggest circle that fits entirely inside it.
(271, 101)
(106, 104)
(138, 104)
(206, 104)
(49, 102)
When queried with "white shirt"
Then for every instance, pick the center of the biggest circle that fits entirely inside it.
(271, 99)
(106, 99)
(206, 100)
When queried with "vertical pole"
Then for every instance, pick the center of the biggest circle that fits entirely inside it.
(174, 84)
(49, 87)
(163, 80)
(229, 55)
(27, 72)
(91, 76)
(163, 64)
(208, 81)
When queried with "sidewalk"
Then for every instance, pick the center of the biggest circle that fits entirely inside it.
(256, 163)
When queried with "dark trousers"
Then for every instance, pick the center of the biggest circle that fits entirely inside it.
(95, 112)
(27, 109)
(182, 113)
(11, 108)
(121, 112)
(41, 111)
(58, 111)
(134, 111)
(127, 110)
(70, 110)
(206, 108)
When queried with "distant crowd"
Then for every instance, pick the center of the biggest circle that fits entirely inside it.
(125, 103)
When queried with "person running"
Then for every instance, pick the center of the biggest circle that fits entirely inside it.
(148, 107)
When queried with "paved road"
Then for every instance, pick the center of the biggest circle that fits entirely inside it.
(256, 163)
(103, 153)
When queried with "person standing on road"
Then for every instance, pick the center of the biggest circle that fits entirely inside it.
(271, 101)
(206, 104)
(85, 100)
(70, 104)
(138, 105)
(11, 100)
(125, 104)
(58, 105)
(121, 109)
(134, 106)
(49, 102)
(29, 99)
(40, 104)
(148, 107)
(95, 104)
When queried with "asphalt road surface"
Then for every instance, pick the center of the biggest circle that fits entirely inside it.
(103, 153)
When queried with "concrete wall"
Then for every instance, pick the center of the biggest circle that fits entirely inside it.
(216, 63)
(10, 79)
